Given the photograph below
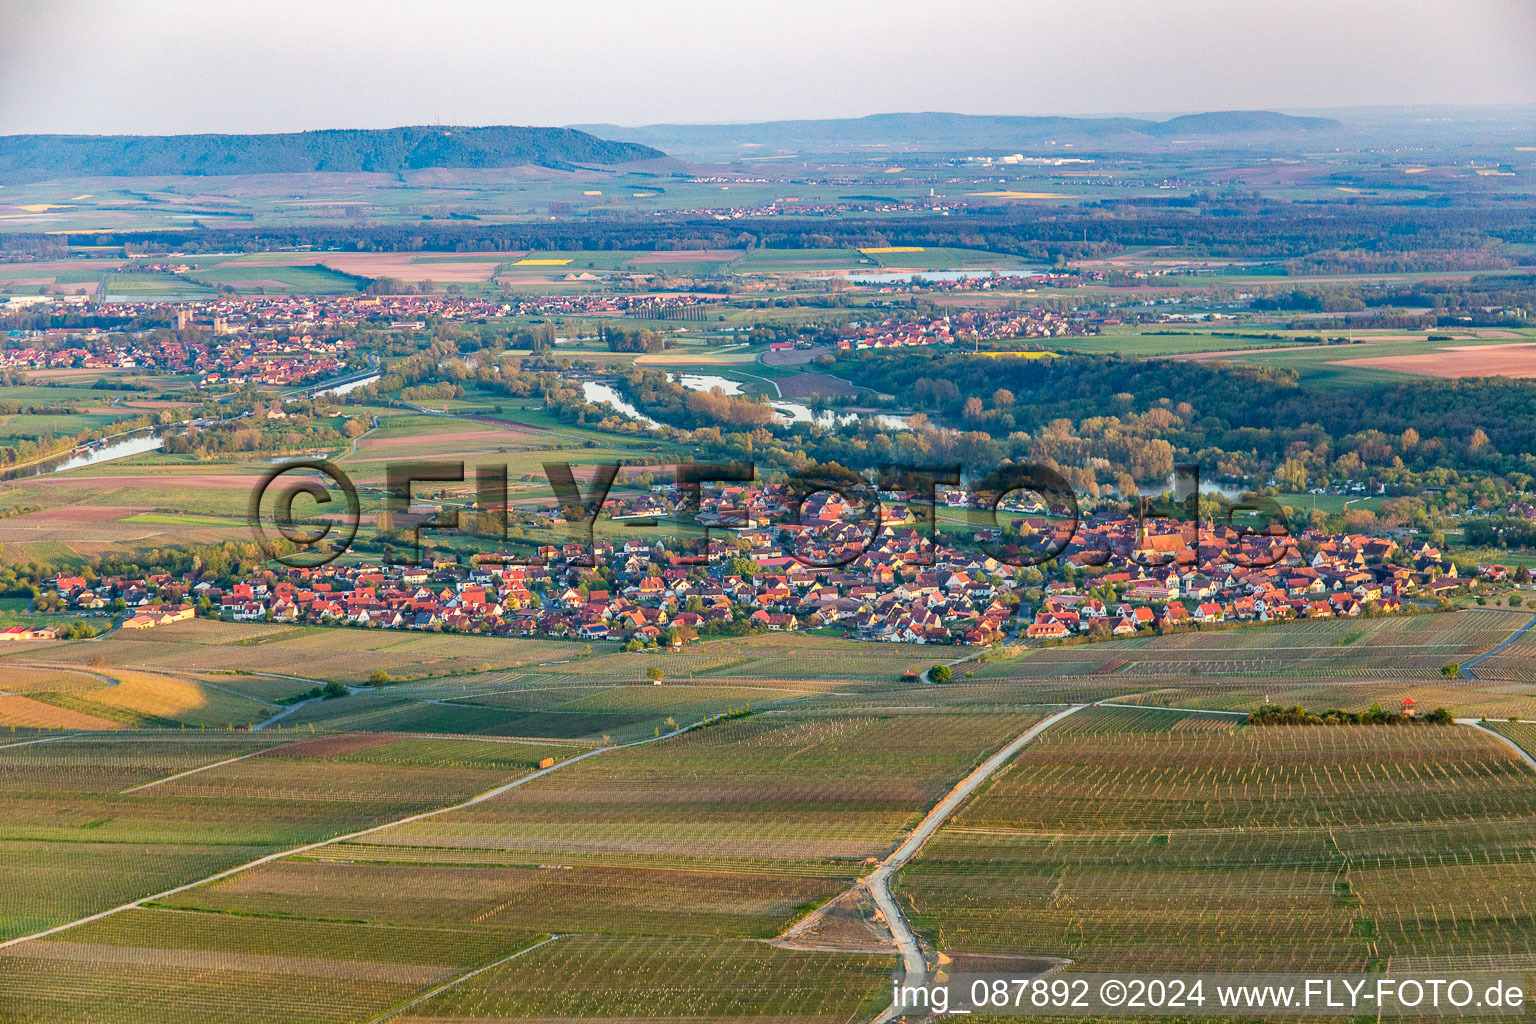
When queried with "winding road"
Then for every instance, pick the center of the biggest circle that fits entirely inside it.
(1465, 668)
(1477, 723)
(914, 967)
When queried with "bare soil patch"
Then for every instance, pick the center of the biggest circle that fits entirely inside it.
(200, 481)
(1459, 361)
(80, 514)
(58, 266)
(804, 385)
(331, 746)
(1232, 353)
(402, 266)
(790, 357)
(66, 372)
(478, 438)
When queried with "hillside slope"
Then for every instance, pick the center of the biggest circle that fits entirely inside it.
(32, 157)
(963, 132)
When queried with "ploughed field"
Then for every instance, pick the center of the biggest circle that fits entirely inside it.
(519, 832)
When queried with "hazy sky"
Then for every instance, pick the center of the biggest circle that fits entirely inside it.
(163, 66)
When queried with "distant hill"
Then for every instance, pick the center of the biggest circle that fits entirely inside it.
(35, 157)
(959, 132)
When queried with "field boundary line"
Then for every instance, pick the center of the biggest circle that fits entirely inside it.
(143, 670)
(1477, 723)
(1094, 648)
(540, 741)
(194, 771)
(445, 986)
(219, 876)
(1157, 707)
(48, 739)
(111, 681)
(286, 711)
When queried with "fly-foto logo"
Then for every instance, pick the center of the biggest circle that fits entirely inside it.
(334, 512)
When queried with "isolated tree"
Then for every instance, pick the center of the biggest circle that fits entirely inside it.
(940, 673)
(378, 677)
(654, 674)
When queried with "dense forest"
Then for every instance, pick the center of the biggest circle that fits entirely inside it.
(1239, 421)
(390, 150)
(1405, 235)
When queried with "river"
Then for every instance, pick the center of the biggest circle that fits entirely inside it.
(135, 444)
(342, 389)
(604, 394)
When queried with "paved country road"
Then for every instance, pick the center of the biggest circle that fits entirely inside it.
(1465, 668)
(913, 965)
(1477, 723)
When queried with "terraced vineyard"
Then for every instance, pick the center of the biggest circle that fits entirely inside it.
(306, 652)
(1264, 848)
(1411, 647)
(96, 820)
(1515, 663)
(516, 862)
